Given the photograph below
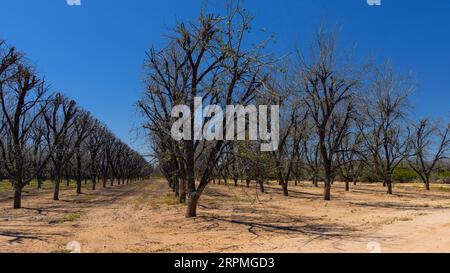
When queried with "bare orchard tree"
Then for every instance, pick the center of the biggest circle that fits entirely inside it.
(259, 165)
(22, 102)
(292, 130)
(120, 157)
(328, 88)
(105, 169)
(350, 159)
(225, 71)
(94, 144)
(39, 150)
(111, 150)
(60, 118)
(82, 129)
(382, 122)
(311, 156)
(210, 59)
(167, 81)
(429, 146)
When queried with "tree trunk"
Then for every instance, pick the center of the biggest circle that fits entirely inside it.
(247, 183)
(94, 182)
(17, 197)
(388, 183)
(427, 185)
(193, 199)
(183, 191)
(176, 187)
(284, 185)
(79, 181)
(347, 185)
(194, 194)
(18, 185)
(78, 171)
(261, 185)
(192, 205)
(327, 191)
(56, 190)
(190, 165)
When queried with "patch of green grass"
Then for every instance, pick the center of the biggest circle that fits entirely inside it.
(5, 187)
(242, 199)
(71, 217)
(422, 214)
(84, 198)
(163, 250)
(60, 251)
(168, 199)
(396, 219)
(441, 188)
(157, 176)
(143, 198)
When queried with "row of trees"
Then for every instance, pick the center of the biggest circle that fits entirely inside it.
(45, 135)
(338, 118)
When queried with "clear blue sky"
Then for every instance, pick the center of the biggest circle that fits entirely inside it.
(94, 52)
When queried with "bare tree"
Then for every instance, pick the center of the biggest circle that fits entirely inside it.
(104, 166)
(311, 157)
(40, 151)
(94, 144)
(60, 118)
(207, 59)
(22, 102)
(349, 158)
(82, 129)
(429, 146)
(292, 133)
(167, 82)
(382, 123)
(328, 88)
(259, 165)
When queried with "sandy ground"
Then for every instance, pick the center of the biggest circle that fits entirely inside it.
(145, 217)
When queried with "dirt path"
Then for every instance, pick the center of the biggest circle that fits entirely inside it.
(145, 217)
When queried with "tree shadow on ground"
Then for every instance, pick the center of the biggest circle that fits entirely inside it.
(20, 237)
(404, 192)
(398, 206)
(286, 225)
